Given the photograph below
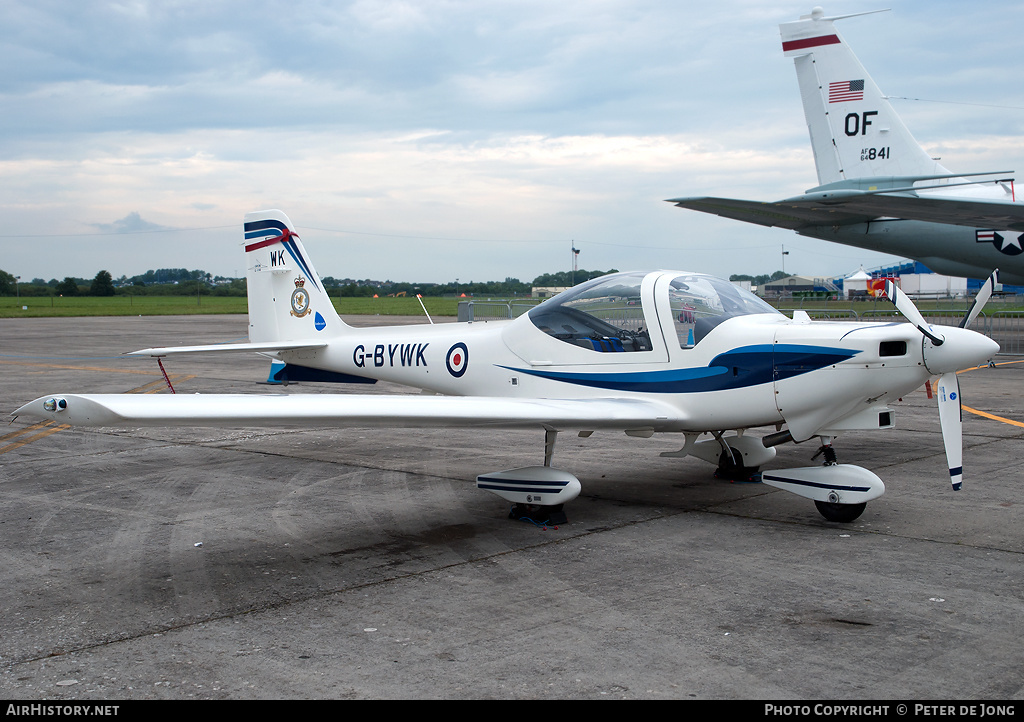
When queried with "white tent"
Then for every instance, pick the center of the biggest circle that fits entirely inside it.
(856, 283)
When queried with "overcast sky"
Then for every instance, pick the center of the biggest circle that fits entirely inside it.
(440, 139)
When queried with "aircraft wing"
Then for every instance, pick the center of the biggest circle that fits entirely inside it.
(267, 347)
(376, 410)
(976, 213)
(779, 214)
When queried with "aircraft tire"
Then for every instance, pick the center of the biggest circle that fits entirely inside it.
(733, 472)
(843, 513)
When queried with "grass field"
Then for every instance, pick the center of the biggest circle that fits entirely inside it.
(43, 306)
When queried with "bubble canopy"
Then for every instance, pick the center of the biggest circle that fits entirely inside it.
(700, 302)
(608, 314)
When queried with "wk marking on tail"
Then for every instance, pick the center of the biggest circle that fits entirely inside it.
(255, 229)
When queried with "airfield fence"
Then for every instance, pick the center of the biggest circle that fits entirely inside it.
(494, 310)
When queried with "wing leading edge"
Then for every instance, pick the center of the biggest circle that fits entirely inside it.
(375, 410)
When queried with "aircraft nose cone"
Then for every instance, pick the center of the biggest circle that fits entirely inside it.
(961, 349)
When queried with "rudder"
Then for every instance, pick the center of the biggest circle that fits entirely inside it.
(287, 300)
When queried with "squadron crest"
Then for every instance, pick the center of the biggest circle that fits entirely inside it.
(300, 298)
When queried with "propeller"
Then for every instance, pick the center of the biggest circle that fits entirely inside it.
(951, 421)
(905, 306)
(981, 299)
(950, 351)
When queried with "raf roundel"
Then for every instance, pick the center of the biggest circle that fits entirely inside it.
(457, 359)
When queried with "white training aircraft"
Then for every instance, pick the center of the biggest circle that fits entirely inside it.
(644, 353)
(878, 188)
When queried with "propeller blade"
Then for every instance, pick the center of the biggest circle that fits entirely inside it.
(951, 420)
(981, 299)
(905, 306)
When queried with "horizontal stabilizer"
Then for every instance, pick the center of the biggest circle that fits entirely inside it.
(779, 215)
(262, 347)
(377, 410)
(992, 213)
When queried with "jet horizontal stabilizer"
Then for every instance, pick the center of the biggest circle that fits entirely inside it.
(883, 184)
(957, 211)
(774, 215)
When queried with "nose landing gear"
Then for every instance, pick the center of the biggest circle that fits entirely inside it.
(833, 509)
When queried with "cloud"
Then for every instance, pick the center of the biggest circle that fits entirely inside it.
(131, 223)
(390, 121)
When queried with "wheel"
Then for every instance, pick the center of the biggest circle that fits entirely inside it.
(843, 513)
(727, 469)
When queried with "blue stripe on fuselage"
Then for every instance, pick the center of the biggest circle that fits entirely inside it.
(740, 368)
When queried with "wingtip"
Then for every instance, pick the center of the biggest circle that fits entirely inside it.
(32, 409)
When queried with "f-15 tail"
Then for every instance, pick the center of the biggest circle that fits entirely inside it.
(877, 187)
(855, 133)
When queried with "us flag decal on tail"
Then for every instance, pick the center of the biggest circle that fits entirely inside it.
(845, 91)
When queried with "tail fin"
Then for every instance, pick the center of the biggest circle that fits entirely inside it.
(287, 300)
(855, 133)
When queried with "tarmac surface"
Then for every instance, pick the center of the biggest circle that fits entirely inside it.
(364, 564)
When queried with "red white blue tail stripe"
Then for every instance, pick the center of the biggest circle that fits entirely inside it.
(271, 232)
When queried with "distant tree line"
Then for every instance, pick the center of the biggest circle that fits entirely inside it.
(508, 288)
(759, 280)
(163, 282)
(182, 282)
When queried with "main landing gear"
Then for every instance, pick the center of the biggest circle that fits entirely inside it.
(540, 515)
(731, 468)
(536, 492)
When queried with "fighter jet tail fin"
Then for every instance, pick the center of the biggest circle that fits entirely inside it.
(854, 131)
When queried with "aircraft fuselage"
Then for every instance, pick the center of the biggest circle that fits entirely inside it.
(750, 370)
(947, 249)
